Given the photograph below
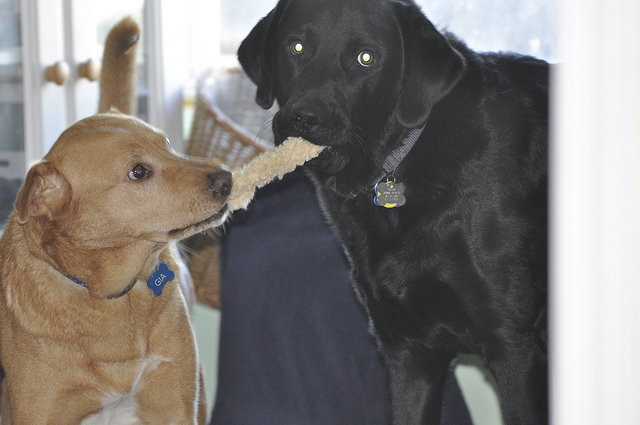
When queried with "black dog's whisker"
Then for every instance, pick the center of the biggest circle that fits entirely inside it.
(265, 133)
(360, 140)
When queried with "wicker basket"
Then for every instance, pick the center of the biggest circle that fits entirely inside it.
(227, 125)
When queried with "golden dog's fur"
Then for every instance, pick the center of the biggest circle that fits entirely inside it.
(75, 354)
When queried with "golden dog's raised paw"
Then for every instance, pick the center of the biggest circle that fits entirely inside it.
(266, 167)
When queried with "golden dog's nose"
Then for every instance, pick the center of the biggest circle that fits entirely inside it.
(220, 183)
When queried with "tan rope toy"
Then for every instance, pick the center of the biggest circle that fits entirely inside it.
(265, 167)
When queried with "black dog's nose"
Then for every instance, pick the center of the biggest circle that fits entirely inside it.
(304, 121)
(220, 183)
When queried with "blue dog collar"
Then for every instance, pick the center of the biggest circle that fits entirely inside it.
(160, 277)
(76, 280)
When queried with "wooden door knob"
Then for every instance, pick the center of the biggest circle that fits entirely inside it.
(57, 73)
(89, 69)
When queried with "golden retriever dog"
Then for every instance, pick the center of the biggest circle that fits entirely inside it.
(94, 328)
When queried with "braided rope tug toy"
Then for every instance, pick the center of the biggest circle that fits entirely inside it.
(266, 167)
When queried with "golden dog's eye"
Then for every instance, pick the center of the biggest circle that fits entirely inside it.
(366, 58)
(139, 172)
(296, 47)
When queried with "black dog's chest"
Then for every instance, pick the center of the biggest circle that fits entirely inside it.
(407, 274)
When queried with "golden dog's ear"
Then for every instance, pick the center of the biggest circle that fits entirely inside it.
(45, 192)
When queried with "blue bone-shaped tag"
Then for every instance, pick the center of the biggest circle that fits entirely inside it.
(159, 278)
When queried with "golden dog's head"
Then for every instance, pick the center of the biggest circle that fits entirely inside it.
(111, 179)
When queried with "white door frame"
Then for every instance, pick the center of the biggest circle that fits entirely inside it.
(41, 26)
(165, 39)
(595, 196)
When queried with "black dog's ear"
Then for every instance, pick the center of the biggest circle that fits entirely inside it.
(256, 55)
(431, 66)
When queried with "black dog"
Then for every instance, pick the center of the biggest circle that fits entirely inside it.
(457, 142)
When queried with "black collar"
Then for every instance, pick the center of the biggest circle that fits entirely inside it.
(393, 160)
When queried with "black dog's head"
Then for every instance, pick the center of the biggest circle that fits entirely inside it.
(351, 74)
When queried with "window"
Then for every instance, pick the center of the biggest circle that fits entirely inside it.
(484, 24)
(238, 17)
(493, 25)
(11, 102)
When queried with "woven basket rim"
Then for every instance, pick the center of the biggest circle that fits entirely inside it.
(221, 115)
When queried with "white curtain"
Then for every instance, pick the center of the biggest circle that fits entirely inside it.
(595, 195)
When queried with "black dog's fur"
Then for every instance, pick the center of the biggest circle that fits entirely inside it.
(462, 266)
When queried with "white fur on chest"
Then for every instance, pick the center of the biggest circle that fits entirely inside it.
(122, 408)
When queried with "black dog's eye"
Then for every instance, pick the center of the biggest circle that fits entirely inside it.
(139, 172)
(366, 58)
(296, 47)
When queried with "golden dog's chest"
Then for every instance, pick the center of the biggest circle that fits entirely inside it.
(121, 405)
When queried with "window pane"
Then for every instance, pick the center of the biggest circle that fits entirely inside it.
(492, 25)
(238, 17)
(11, 107)
(524, 27)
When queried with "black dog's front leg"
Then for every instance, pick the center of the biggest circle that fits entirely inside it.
(416, 379)
(521, 378)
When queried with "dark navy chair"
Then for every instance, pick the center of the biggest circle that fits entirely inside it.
(294, 346)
